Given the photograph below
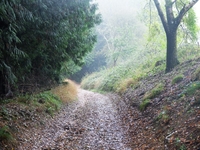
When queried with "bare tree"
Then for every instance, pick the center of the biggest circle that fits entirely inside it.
(170, 22)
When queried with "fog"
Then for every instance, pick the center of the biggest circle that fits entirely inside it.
(109, 8)
(197, 10)
(117, 7)
(123, 35)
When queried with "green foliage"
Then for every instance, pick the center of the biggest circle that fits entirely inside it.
(25, 99)
(177, 79)
(44, 102)
(144, 104)
(38, 39)
(49, 102)
(53, 99)
(191, 23)
(139, 63)
(5, 134)
(191, 49)
(106, 80)
(114, 79)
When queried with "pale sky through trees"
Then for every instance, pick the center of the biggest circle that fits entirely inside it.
(197, 10)
(128, 8)
(113, 7)
(118, 7)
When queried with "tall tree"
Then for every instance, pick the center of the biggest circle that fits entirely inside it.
(170, 21)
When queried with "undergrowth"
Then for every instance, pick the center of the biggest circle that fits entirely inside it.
(135, 68)
(154, 92)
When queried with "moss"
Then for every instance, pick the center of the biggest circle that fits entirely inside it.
(177, 79)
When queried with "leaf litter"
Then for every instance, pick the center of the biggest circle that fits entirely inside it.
(113, 122)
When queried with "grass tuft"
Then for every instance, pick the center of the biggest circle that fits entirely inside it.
(5, 134)
(67, 92)
(154, 92)
(130, 82)
(144, 104)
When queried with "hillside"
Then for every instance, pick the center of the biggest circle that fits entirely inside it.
(159, 112)
(165, 109)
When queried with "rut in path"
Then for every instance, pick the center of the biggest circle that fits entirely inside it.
(91, 123)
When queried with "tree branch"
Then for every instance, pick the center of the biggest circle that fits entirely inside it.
(169, 11)
(184, 11)
(162, 17)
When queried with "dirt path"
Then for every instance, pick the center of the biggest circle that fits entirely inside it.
(91, 123)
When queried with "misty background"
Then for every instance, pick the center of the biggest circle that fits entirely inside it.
(130, 30)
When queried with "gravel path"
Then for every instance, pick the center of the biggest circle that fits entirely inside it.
(91, 123)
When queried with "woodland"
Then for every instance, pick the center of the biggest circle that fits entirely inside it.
(42, 40)
(96, 74)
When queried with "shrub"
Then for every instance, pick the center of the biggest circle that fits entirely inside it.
(177, 79)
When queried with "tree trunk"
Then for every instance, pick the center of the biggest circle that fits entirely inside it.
(2, 85)
(172, 60)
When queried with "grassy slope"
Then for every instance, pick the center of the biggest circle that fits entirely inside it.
(133, 69)
(171, 118)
